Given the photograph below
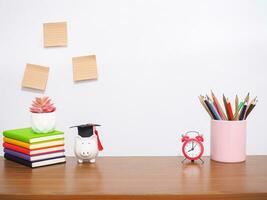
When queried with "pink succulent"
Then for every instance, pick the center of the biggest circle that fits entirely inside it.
(42, 105)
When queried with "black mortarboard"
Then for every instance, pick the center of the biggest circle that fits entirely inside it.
(85, 130)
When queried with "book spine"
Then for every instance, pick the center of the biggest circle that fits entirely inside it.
(16, 142)
(18, 137)
(16, 148)
(17, 154)
(18, 160)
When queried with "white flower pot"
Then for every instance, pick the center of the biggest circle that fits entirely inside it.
(43, 122)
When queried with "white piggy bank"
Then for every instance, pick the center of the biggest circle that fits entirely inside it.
(86, 149)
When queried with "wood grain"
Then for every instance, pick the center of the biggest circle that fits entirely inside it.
(55, 34)
(35, 77)
(84, 68)
(136, 178)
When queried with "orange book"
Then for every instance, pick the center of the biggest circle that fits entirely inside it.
(34, 145)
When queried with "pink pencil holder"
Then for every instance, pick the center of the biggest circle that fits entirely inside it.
(228, 140)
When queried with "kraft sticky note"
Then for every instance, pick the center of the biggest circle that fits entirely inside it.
(84, 68)
(35, 77)
(55, 34)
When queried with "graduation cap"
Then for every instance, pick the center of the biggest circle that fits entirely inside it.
(88, 130)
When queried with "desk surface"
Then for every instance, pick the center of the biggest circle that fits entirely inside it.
(136, 178)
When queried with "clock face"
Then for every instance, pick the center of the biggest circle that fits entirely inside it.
(192, 149)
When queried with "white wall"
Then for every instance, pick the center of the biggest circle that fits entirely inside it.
(154, 58)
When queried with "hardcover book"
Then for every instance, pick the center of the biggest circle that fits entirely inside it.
(36, 163)
(29, 136)
(33, 152)
(35, 145)
(34, 158)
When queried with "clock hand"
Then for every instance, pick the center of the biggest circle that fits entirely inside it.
(192, 147)
(190, 150)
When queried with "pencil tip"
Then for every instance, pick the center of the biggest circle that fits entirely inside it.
(247, 97)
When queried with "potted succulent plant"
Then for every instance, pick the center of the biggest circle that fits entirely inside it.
(43, 118)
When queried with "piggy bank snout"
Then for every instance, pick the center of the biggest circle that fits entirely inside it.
(85, 153)
(85, 148)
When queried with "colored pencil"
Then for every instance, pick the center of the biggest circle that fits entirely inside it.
(247, 98)
(218, 106)
(252, 101)
(243, 111)
(231, 115)
(236, 108)
(250, 107)
(249, 110)
(201, 99)
(226, 107)
(241, 104)
(213, 110)
(209, 106)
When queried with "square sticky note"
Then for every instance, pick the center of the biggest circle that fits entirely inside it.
(84, 68)
(55, 34)
(35, 77)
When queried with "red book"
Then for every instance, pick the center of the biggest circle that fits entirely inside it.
(231, 115)
(33, 152)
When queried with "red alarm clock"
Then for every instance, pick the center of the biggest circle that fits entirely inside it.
(192, 146)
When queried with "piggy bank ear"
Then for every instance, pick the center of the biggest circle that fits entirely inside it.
(185, 138)
(199, 138)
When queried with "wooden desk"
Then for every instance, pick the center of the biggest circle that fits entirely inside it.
(136, 178)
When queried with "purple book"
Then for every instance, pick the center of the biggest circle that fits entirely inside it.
(34, 158)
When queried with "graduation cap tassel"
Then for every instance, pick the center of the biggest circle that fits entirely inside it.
(100, 147)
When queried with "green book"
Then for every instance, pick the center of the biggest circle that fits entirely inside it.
(29, 136)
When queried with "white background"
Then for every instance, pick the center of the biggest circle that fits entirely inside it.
(154, 58)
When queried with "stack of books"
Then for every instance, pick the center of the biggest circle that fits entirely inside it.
(32, 149)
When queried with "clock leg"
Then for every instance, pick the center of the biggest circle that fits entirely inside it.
(202, 161)
(183, 160)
